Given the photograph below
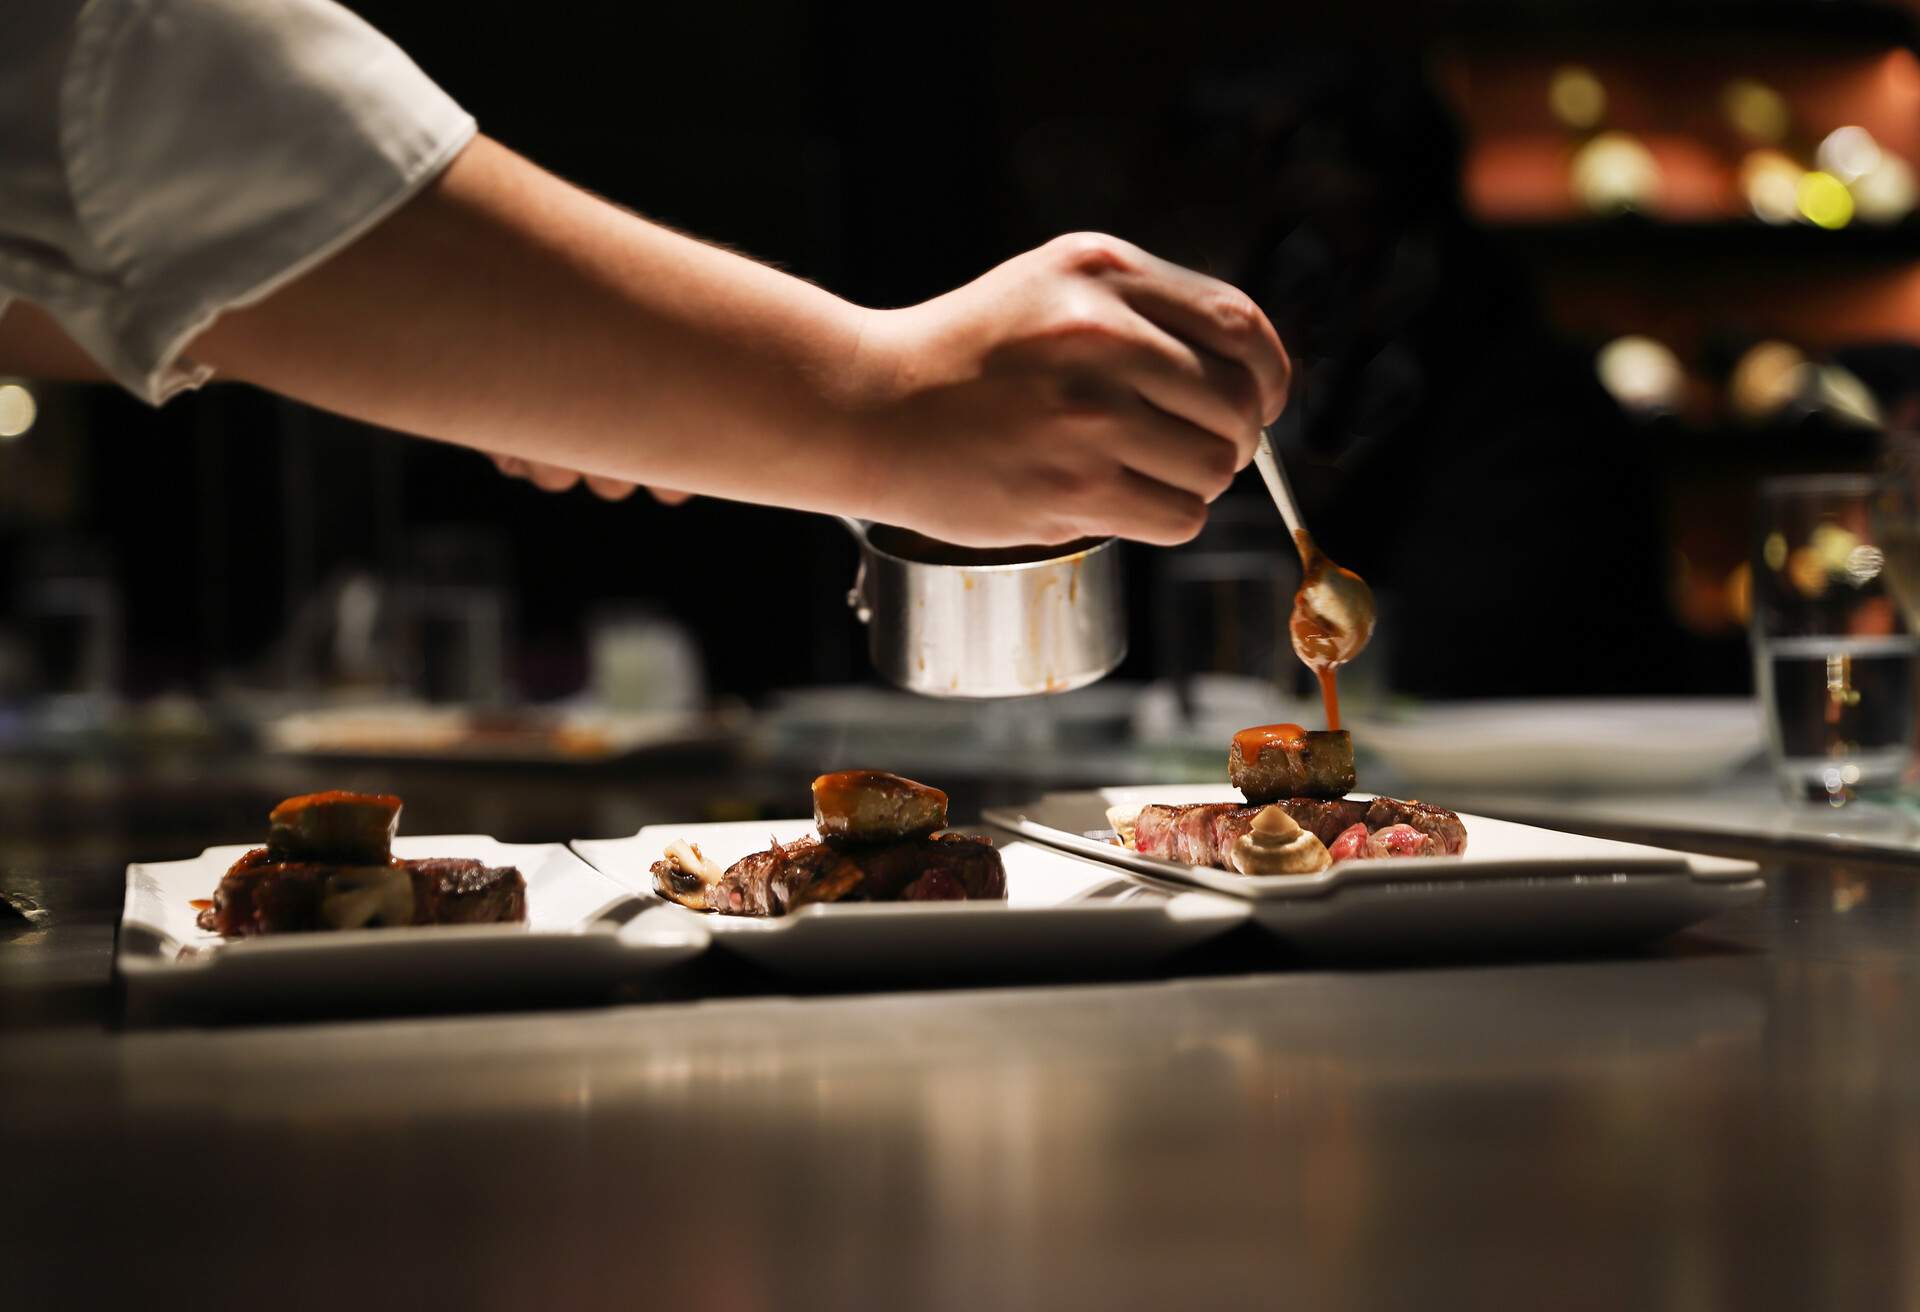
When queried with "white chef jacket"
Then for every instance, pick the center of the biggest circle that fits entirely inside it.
(164, 160)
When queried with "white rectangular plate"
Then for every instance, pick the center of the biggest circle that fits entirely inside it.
(1061, 913)
(1514, 880)
(581, 931)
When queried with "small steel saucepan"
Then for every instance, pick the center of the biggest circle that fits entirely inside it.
(950, 621)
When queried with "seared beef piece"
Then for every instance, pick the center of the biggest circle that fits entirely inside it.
(788, 876)
(262, 895)
(1202, 834)
(1400, 840)
(1443, 826)
(1351, 844)
(935, 886)
(460, 891)
(1188, 833)
(872, 806)
(1267, 766)
(341, 828)
(1323, 817)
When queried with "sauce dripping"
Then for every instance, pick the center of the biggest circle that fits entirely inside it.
(1330, 694)
(1251, 742)
(201, 903)
(1325, 634)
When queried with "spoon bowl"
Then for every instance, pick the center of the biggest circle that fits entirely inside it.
(1333, 613)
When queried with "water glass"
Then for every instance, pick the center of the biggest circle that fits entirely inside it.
(1833, 655)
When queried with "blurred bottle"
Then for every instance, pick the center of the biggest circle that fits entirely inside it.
(642, 660)
(72, 618)
(456, 617)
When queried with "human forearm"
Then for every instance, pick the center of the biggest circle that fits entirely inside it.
(505, 310)
(1082, 388)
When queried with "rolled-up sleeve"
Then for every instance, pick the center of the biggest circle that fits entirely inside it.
(164, 160)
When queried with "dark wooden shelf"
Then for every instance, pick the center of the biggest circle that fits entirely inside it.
(1637, 238)
(1857, 23)
(1781, 447)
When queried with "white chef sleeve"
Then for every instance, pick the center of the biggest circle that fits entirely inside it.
(164, 160)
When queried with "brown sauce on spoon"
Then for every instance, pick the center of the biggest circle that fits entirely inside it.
(1321, 642)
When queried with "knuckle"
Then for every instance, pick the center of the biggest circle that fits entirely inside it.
(1080, 328)
(1092, 252)
(1242, 395)
(1074, 485)
(1065, 483)
(1188, 520)
(1222, 462)
(1232, 311)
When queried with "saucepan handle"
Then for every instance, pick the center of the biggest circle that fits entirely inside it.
(857, 594)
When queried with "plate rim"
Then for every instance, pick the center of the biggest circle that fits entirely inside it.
(1378, 873)
(144, 949)
(1194, 903)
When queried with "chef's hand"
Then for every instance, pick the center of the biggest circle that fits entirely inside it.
(555, 478)
(1085, 388)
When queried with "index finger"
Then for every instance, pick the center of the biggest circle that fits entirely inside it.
(1217, 317)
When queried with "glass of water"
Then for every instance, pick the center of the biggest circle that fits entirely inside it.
(1833, 655)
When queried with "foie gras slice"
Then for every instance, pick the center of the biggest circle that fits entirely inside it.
(872, 806)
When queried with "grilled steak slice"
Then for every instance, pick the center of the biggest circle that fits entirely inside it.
(788, 876)
(1323, 817)
(1443, 826)
(1399, 840)
(1285, 761)
(872, 806)
(460, 891)
(262, 895)
(1352, 843)
(343, 828)
(1203, 833)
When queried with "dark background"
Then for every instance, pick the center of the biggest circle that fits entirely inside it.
(1449, 441)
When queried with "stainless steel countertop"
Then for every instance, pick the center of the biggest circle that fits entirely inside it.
(1730, 1119)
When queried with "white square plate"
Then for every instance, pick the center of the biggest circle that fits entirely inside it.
(581, 931)
(1061, 913)
(1513, 882)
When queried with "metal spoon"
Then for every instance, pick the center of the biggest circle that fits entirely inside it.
(1333, 612)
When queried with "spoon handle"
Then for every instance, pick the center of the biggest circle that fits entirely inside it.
(1276, 478)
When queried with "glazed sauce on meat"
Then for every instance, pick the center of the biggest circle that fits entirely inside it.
(295, 805)
(1252, 742)
(1318, 641)
(840, 791)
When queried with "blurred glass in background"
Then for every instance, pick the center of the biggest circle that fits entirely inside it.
(641, 660)
(72, 618)
(456, 617)
(1833, 657)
